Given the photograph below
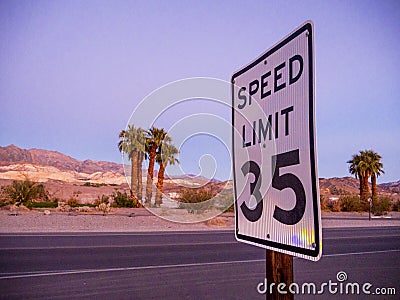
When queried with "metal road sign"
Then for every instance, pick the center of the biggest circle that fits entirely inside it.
(274, 149)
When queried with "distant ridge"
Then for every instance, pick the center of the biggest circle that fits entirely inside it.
(192, 177)
(395, 184)
(12, 154)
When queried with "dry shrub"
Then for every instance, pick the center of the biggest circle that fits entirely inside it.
(382, 205)
(198, 197)
(218, 221)
(352, 203)
(72, 202)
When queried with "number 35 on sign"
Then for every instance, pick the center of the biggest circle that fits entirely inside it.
(274, 149)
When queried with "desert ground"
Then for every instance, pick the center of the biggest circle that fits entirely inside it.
(141, 220)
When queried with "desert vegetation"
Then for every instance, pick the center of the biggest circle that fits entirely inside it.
(198, 197)
(27, 193)
(133, 143)
(365, 165)
(352, 203)
(103, 204)
(156, 146)
(122, 200)
(30, 195)
(96, 184)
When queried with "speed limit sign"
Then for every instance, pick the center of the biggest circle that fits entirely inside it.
(274, 149)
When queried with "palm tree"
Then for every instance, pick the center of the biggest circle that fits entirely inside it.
(166, 155)
(354, 169)
(155, 137)
(132, 142)
(364, 165)
(376, 169)
(365, 171)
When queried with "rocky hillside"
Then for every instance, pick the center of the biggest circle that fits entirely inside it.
(351, 185)
(37, 173)
(336, 185)
(392, 185)
(43, 165)
(12, 154)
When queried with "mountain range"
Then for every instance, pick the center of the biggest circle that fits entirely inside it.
(13, 154)
(47, 165)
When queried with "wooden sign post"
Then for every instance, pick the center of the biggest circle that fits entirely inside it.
(279, 269)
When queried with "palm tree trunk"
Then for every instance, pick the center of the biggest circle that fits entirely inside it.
(139, 172)
(374, 190)
(160, 184)
(134, 158)
(149, 181)
(365, 193)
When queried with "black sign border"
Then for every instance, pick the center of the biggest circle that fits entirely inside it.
(307, 252)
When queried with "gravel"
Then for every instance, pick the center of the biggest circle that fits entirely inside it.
(141, 220)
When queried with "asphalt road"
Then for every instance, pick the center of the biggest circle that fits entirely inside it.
(185, 265)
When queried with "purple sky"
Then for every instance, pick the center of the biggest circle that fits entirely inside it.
(72, 72)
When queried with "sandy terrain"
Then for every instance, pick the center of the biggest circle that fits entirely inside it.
(140, 220)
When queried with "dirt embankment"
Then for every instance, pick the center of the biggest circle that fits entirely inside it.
(141, 220)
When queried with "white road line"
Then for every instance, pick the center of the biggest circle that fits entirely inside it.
(85, 271)
(128, 269)
(100, 234)
(149, 233)
(361, 236)
(360, 253)
(166, 244)
(117, 246)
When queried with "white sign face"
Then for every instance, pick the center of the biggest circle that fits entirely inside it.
(274, 149)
